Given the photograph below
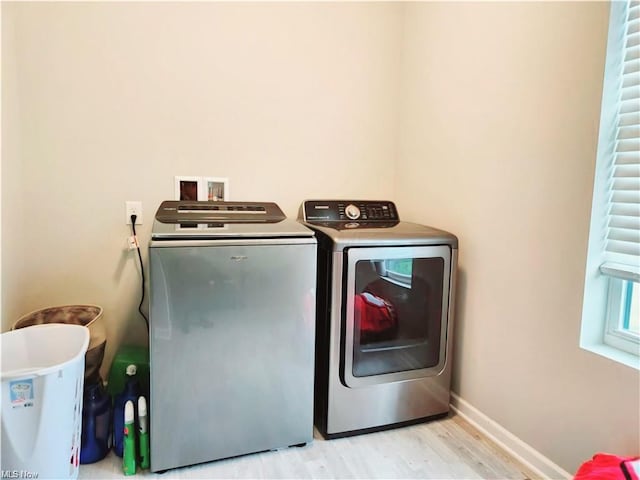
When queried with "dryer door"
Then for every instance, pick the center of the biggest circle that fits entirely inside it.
(396, 313)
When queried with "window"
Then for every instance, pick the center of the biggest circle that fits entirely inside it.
(631, 318)
(622, 315)
(399, 270)
(612, 283)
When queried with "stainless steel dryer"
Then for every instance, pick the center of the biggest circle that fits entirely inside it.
(384, 317)
(232, 322)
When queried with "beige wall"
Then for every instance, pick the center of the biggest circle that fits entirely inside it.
(498, 143)
(12, 223)
(288, 101)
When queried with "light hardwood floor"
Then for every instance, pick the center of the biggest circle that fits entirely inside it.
(449, 448)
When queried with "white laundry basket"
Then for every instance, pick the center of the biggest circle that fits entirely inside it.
(42, 381)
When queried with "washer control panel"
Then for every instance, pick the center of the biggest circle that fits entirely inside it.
(349, 211)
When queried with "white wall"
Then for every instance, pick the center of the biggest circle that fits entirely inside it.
(289, 101)
(498, 144)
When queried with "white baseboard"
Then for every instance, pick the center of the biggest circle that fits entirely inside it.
(526, 454)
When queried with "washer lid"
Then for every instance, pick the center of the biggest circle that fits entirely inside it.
(181, 211)
(181, 220)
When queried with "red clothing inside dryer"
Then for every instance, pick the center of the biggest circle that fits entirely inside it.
(376, 317)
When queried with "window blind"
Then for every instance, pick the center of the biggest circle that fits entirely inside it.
(622, 246)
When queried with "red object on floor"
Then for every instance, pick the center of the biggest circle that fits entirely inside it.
(609, 467)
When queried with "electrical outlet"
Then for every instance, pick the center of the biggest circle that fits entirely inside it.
(133, 208)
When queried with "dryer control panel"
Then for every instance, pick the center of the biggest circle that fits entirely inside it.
(349, 211)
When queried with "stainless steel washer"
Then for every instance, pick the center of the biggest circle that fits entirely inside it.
(232, 322)
(384, 317)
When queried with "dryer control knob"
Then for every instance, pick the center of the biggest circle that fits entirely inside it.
(352, 211)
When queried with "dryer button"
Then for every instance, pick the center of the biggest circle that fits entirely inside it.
(352, 212)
